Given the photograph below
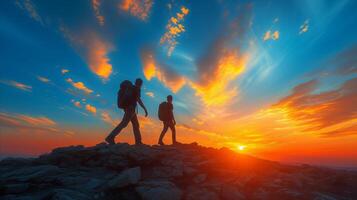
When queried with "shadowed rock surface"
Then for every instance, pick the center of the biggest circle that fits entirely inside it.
(184, 171)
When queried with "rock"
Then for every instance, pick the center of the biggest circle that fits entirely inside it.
(16, 161)
(158, 190)
(200, 178)
(198, 193)
(16, 188)
(231, 193)
(68, 149)
(125, 178)
(27, 173)
(92, 184)
(188, 171)
(65, 194)
(165, 172)
(124, 171)
(321, 196)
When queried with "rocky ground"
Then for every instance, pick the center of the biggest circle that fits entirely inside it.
(185, 171)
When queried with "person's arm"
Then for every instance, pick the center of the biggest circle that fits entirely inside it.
(172, 115)
(143, 106)
(173, 119)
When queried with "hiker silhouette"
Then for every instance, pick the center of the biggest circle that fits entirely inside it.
(128, 97)
(166, 115)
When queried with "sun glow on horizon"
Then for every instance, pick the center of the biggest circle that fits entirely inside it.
(241, 147)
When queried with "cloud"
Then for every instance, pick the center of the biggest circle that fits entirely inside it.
(150, 94)
(222, 64)
(31, 9)
(18, 85)
(32, 123)
(96, 5)
(137, 8)
(97, 58)
(77, 104)
(163, 73)
(345, 62)
(43, 79)
(93, 49)
(304, 27)
(174, 28)
(91, 109)
(271, 36)
(19, 120)
(64, 71)
(326, 113)
(37, 121)
(107, 118)
(79, 86)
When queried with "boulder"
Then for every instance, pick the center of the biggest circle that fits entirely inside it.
(68, 149)
(199, 193)
(199, 178)
(321, 196)
(66, 194)
(231, 193)
(33, 172)
(16, 188)
(158, 190)
(125, 178)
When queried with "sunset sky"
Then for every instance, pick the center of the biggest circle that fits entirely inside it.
(273, 79)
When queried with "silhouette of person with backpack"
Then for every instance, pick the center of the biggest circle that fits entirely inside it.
(128, 97)
(166, 115)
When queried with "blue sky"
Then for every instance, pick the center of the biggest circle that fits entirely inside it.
(223, 61)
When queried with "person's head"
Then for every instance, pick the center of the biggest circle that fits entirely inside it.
(138, 82)
(169, 98)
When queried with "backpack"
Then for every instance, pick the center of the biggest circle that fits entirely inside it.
(163, 111)
(126, 94)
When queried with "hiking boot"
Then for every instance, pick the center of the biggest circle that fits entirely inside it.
(110, 140)
(139, 143)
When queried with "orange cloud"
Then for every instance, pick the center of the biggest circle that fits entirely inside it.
(38, 121)
(91, 109)
(26, 121)
(271, 36)
(174, 28)
(100, 18)
(150, 94)
(97, 59)
(137, 8)
(18, 85)
(64, 71)
(93, 49)
(222, 64)
(330, 113)
(165, 75)
(79, 86)
(214, 87)
(43, 79)
(77, 104)
(149, 65)
(107, 118)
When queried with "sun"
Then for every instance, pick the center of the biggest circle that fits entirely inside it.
(241, 147)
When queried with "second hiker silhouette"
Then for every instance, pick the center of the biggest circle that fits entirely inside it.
(166, 115)
(128, 97)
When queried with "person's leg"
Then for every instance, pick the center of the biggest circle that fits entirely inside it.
(136, 128)
(124, 122)
(173, 130)
(163, 133)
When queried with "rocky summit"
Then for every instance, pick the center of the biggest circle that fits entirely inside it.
(183, 171)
